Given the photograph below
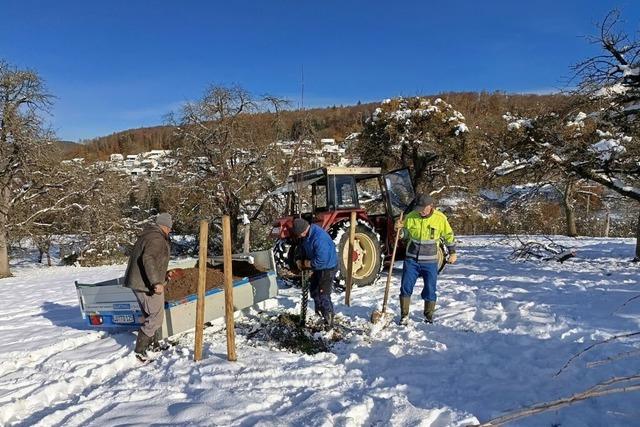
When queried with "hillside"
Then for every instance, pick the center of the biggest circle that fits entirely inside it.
(481, 109)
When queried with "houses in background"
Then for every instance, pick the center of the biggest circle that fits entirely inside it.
(150, 164)
(327, 152)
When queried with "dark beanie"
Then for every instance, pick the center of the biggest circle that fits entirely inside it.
(424, 200)
(299, 225)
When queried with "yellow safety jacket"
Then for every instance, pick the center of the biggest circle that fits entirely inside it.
(423, 235)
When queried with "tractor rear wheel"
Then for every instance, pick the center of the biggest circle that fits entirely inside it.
(284, 256)
(367, 253)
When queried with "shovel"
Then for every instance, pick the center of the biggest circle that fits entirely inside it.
(378, 315)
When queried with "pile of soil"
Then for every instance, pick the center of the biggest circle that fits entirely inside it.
(188, 284)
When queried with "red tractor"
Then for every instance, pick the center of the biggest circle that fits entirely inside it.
(327, 196)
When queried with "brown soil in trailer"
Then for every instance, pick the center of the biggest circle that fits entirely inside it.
(188, 284)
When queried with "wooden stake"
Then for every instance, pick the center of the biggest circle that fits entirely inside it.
(352, 238)
(389, 274)
(228, 289)
(202, 282)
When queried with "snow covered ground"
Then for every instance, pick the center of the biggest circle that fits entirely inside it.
(503, 330)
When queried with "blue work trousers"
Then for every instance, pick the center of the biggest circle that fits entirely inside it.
(320, 288)
(411, 270)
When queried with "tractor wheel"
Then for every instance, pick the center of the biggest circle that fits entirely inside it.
(367, 254)
(284, 256)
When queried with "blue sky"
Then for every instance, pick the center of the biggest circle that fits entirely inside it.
(115, 64)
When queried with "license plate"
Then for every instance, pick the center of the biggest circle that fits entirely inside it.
(122, 318)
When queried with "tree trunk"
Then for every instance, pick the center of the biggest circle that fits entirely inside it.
(607, 224)
(4, 238)
(569, 210)
(4, 252)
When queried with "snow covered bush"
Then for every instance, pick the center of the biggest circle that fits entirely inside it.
(428, 135)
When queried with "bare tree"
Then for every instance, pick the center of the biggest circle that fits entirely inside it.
(85, 203)
(224, 158)
(23, 98)
(611, 82)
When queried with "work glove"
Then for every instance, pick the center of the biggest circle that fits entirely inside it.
(303, 264)
(452, 258)
(158, 288)
(398, 225)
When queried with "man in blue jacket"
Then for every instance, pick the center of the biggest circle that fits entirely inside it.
(318, 253)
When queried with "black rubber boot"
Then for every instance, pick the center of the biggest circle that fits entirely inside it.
(405, 303)
(429, 309)
(328, 321)
(142, 344)
(157, 343)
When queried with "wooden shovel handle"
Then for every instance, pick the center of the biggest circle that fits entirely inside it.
(393, 260)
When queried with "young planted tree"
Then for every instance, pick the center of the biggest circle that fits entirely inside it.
(23, 138)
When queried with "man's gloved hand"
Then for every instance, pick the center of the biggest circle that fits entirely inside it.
(303, 264)
(158, 288)
(452, 258)
(398, 225)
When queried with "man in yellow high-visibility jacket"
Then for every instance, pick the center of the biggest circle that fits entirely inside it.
(423, 228)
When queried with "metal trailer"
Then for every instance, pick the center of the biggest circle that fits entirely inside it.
(110, 305)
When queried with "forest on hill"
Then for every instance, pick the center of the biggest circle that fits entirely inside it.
(482, 109)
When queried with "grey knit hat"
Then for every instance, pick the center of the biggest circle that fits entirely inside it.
(164, 219)
(299, 225)
(424, 200)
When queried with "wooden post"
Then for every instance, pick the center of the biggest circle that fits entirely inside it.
(228, 288)
(202, 282)
(352, 238)
(385, 301)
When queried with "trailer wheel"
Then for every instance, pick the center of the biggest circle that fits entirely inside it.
(367, 254)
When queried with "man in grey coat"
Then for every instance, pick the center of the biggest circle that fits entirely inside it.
(146, 275)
